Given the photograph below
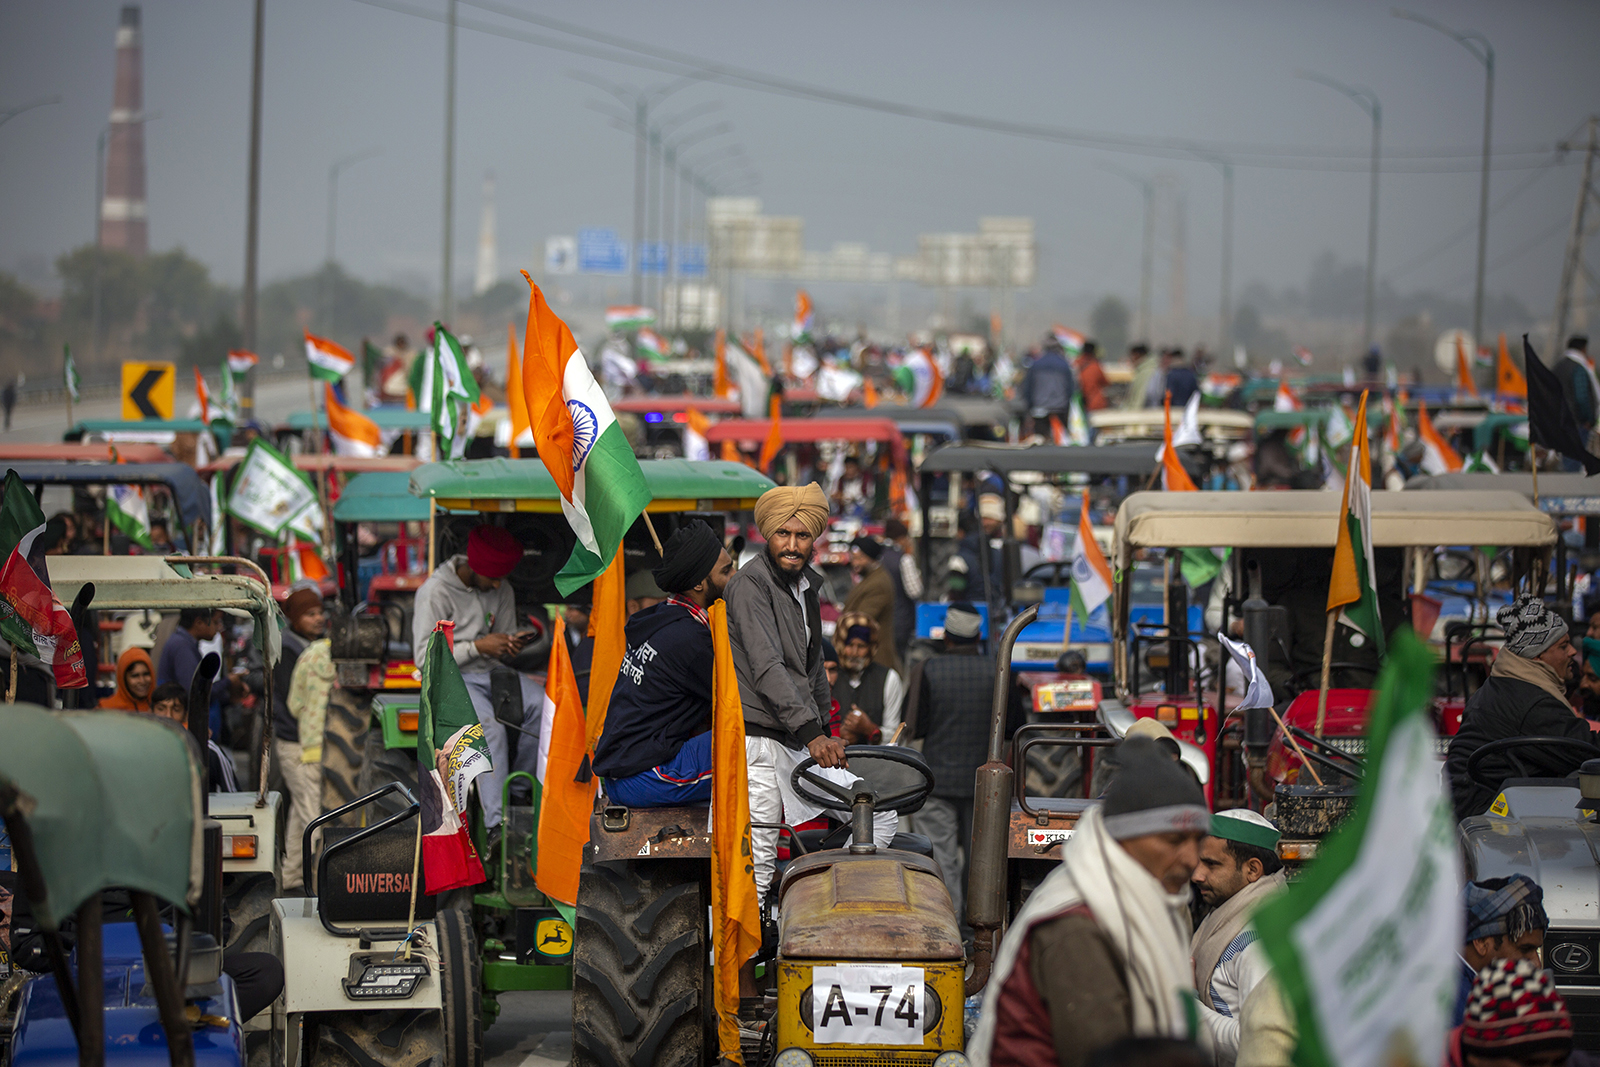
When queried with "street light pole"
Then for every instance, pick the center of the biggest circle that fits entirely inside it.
(1147, 253)
(1367, 100)
(252, 226)
(1479, 47)
(447, 299)
(99, 197)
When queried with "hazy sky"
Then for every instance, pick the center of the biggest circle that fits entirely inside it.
(342, 76)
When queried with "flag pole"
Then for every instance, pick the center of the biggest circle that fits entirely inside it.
(11, 689)
(431, 541)
(1327, 663)
(311, 391)
(416, 876)
(1066, 630)
(1533, 454)
(1287, 736)
(648, 525)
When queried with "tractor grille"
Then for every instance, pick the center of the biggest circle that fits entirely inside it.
(876, 1058)
(1585, 1020)
(1357, 746)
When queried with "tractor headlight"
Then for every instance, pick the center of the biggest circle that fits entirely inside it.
(951, 1059)
(794, 1057)
(372, 977)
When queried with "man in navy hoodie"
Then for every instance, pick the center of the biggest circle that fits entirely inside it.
(655, 750)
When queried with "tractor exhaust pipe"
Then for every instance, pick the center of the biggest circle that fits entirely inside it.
(991, 818)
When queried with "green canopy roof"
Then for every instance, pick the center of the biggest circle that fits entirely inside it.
(380, 496)
(386, 418)
(675, 484)
(138, 426)
(112, 799)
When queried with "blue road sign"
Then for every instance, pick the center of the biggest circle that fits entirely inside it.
(653, 257)
(600, 251)
(691, 261)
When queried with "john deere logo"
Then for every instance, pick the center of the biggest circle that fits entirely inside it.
(1571, 956)
(553, 937)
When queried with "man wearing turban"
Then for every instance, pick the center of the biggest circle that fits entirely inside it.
(655, 750)
(470, 590)
(775, 630)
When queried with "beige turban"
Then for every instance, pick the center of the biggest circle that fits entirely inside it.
(782, 503)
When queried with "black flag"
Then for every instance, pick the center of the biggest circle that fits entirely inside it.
(1551, 422)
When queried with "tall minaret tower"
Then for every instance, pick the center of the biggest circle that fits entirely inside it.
(122, 212)
(488, 259)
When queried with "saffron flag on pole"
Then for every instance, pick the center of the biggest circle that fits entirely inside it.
(748, 379)
(774, 440)
(804, 317)
(31, 618)
(1508, 380)
(1091, 574)
(352, 433)
(1464, 381)
(521, 427)
(607, 617)
(1354, 585)
(869, 393)
(202, 396)
(735, 908)
(720, 385)
(1365, 944)
(326, 359)
(1173, 477)
(1058, 432)
(603, 491)
(695, 428)
(451, 752)
(565, 803)
(1437, 455)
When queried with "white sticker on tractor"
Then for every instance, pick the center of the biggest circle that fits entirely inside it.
(862, 1005)
(1045, 837)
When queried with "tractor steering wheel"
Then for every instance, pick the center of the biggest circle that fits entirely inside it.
(832, 796)
(1508, 745)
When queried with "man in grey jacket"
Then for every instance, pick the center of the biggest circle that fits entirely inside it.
(470, 591)
(775, 630)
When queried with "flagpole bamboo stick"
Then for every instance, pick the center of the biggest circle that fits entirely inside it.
(1533, 455)
(105, 527)
(416, 876)
(1327, 664)
(432, 507)
(648, 525)
(11, 688)
(311, 389)
(1066, 629)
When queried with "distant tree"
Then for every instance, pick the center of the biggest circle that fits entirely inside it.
(1108, 325)
(206, 348)
(122, 286)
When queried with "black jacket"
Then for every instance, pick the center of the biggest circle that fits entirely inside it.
(1508, 707)
(662, 695)
(285, 726)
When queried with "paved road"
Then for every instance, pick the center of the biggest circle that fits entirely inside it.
(44, 424)
(534, 1030)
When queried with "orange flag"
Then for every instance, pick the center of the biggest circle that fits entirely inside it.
(774, 442)
(521, 427)
(869, 393)
(730, 452)
(758, 348)
(1508, 380)
(566, 803)
(1173, 476)
(1058, 432)
(1464, 380)
(606, 619)
(311, 565)
(720, 385)
(736, 913)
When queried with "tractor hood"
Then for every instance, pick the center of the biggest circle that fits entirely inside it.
(887, 905)
(1535, 828)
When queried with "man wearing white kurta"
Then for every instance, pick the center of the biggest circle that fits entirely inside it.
(1239, 870)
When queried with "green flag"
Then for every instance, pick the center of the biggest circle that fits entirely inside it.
(1365, 943)
(21, 519)
(443, 385)
(447, 723)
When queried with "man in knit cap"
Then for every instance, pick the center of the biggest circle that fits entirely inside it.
(655, 750)
(873, 594)
(1525, 696)
(1239, 871)
(1515, 1016)
(1505, 921)
(1100, 951)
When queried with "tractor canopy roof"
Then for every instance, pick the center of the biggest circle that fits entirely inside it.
(386, 417)
(1559, 494)
(104, 452)
(131, 583)
(189, 493)
(1309, 519)
(1149, 423)
(673, 402)
(380, 496)
(313, 463)
(525, 485)
(1137, 459)
(112, 800)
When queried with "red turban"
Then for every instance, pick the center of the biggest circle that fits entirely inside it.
(492, 551)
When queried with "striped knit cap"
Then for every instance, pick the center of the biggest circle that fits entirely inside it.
(1514, 1010)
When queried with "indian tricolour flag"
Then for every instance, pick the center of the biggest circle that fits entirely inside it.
(1071, 340)
(1354, 586)
(1437, 455)
(1091, 575)
(352, 433)
(925, 373)
(650, 345)
(442, 384)
(1364, 945)
(126, 508)
(240, 361)
(451, 752)
(622, 318)
(603, 490)
(326, 359)
(804, 316)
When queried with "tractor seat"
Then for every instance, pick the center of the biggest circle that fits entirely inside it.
(821, 838)
(367, 883)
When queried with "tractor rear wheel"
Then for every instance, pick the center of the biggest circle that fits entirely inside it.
(460, 989)
(349, 722)
(639, 985)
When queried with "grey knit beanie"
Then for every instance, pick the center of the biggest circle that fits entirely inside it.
(1152, 794)
(1530, 626)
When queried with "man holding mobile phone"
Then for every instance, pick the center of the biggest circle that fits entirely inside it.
(471, 591)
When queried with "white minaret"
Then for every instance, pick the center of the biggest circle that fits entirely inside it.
(488, 260)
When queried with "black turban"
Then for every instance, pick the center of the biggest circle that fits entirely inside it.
(871, 546)
(688, 557)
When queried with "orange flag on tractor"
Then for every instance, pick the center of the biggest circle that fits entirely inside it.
(1173, 476)
(565, 803)
(1508, 380)
(516, 400)
(735, 911)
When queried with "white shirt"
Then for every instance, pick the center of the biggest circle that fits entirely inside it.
(894, 700)
(1243, 965)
